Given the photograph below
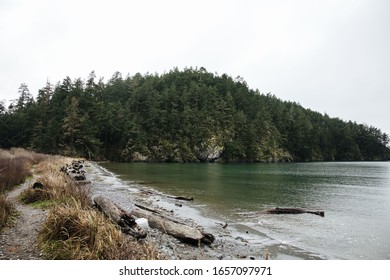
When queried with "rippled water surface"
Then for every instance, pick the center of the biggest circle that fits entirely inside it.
(354, 196)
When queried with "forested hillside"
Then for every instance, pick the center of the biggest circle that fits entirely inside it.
(180, 116)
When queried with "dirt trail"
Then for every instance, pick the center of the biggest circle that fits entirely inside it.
(18, 241)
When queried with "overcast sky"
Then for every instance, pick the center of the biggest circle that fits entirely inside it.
(330, 56)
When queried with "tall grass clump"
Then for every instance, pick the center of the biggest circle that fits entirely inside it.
(72, 232)
(6, 209)
(57, 187)
(13, 171)
(15, 166)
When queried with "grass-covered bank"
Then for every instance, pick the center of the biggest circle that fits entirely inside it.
(73, 228)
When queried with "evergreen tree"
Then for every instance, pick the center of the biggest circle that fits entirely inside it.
(25, 97)
(71, 125)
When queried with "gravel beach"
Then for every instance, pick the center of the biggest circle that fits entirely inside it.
(235, 241)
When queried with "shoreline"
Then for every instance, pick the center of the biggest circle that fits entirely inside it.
(233, 242)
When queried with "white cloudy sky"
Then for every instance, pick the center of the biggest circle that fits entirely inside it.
(331, 56)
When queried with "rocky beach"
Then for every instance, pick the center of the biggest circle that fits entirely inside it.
(233, 240)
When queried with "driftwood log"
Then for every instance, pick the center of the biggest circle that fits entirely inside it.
(156, 219)
(120, 216)
(159, 213)
(174, 227)
(278, 210)
(149, 192)
(181, 198)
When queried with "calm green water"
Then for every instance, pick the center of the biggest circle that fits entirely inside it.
(354, 196)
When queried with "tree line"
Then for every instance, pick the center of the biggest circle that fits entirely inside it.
(180, 116)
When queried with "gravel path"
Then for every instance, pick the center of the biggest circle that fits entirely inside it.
(18, 241)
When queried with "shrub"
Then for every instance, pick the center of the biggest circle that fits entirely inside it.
(6, 208)
(15, 166)
(13, 171)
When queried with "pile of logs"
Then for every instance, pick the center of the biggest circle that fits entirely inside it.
(156, 219)
(75, 170)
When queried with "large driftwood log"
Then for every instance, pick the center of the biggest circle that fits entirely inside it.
(172, 226)
(120, 216)
(156, 219)
(278, 210)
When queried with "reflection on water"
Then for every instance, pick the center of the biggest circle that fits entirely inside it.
(355, 197)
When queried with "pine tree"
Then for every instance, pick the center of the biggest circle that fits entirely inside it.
(71, 125)
(25, 97)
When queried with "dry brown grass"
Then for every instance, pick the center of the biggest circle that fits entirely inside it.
(15, 168)
(73, 232)
(6, 209)
(56, 185)
(13, 171)
(59, 188)
(51, 164)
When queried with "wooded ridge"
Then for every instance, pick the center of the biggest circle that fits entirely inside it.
(179, 116)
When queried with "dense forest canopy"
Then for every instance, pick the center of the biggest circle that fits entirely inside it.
(180, 116)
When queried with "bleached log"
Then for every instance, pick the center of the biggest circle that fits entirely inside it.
(120, 216)
(156, 219)
(173, 227)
